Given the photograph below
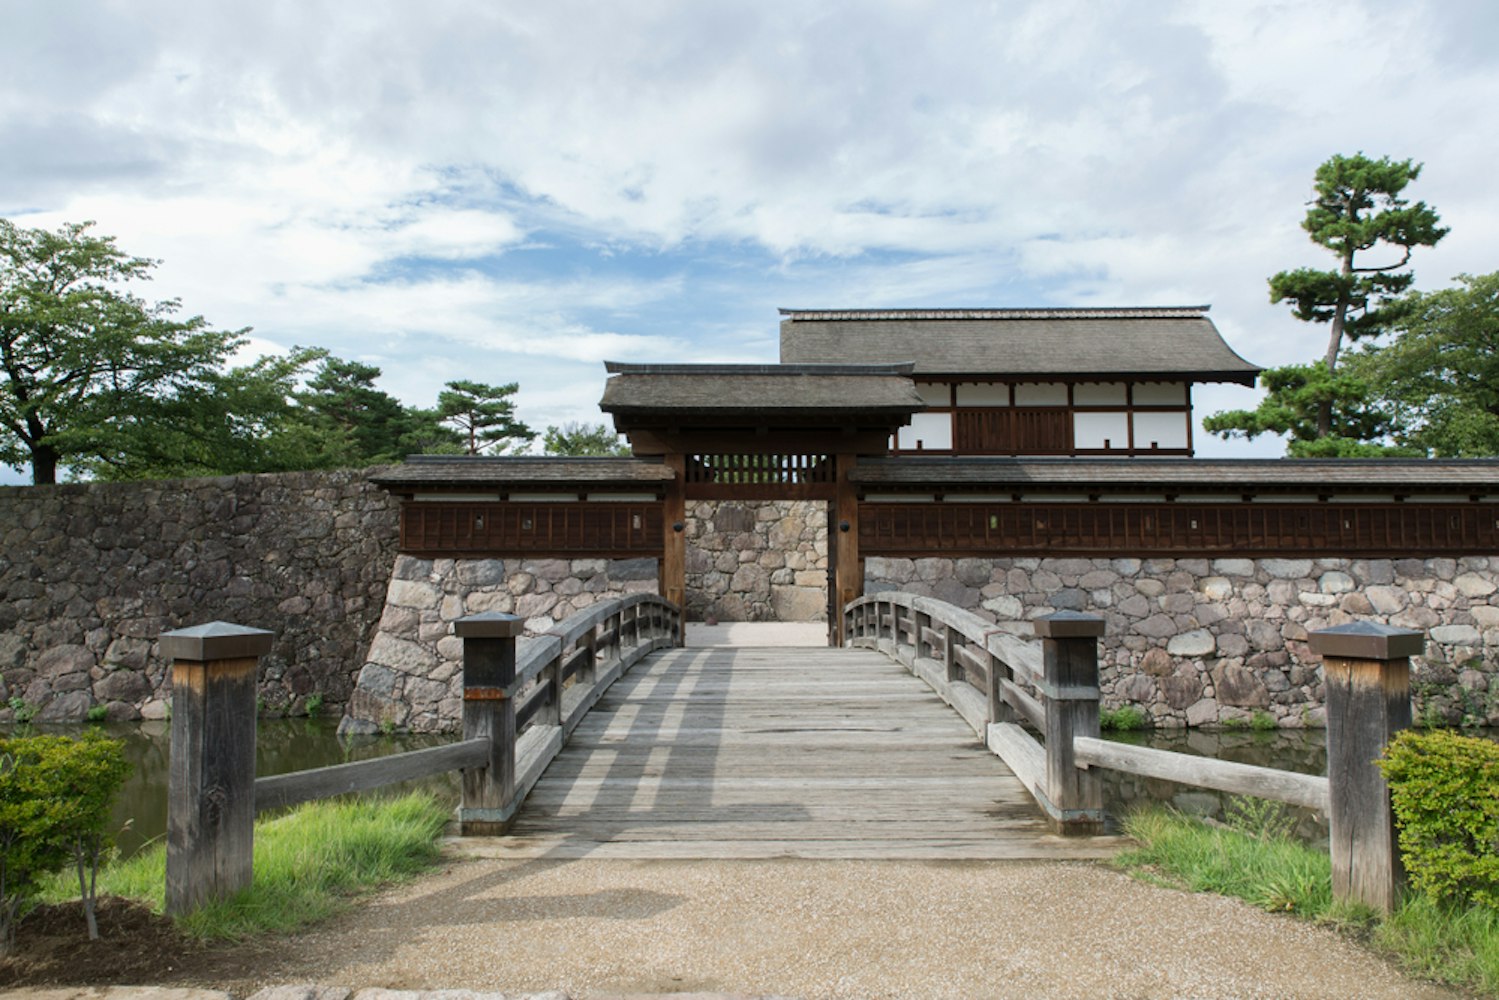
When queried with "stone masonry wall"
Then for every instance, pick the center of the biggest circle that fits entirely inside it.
(412, 678)
(763, 560)
(90, 574)
(1202, 642)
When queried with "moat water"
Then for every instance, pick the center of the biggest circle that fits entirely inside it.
(283, 745)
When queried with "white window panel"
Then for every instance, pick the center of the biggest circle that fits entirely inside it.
(1098, 394)
(1100, 430)
(1160, 394)
(934, 393)
(933, 430)
(1161, 430)
(1041, 394)
(983, 394)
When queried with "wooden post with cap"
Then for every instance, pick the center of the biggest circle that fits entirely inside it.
(1366, 668)
(211, 775)
(488, 806)
(1069, 647)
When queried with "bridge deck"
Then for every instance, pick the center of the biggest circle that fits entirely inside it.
(766, 752)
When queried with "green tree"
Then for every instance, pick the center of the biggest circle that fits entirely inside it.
(1357, 208)
(360, 424)
(88, 773)
(1441, 372)
(79, 354)
(577, 440)
(221, 422)
(484, 415)
(1298, 395)
(32, 827)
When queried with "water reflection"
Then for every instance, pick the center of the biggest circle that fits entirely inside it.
(1302, 750)
(281, 745)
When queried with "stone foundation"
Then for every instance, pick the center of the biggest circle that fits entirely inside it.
(412, 678)
(757, 561)
(91, 574)
(1197, 642)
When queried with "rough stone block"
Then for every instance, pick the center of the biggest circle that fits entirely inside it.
(1196, 643)
(1456, 635)
(1473, 585)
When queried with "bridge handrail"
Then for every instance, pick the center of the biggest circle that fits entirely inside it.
(1006, 665)
(1367, 671)
(518, 710)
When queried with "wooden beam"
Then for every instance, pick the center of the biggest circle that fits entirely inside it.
(847, 576)
(673, 580)
(1309, 790)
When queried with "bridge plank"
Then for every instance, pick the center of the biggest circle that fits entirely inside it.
(729, 753)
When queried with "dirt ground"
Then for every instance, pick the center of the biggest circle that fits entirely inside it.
(829, 930)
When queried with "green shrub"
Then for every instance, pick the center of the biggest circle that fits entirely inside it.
(314, 704)
(1445, 791)
(1124, 719)
(1262, 721)
(22, 710)
(55, 795)
(98, 713)
(91, 771)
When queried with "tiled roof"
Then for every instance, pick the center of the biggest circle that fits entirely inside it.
(762, 390)
(1177, 342)
(486, 470)
(1197, 474)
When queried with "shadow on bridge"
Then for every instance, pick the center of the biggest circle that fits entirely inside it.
(757, 752)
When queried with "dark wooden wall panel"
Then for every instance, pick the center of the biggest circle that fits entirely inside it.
(916, 530)
(498, 530)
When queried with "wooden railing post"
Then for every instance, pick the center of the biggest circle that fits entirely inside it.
(1069, 647)
(1366, 667)
(489, 713)
(211, 777)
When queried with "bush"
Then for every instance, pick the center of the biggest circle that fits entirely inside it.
(55, 795)
(1124, 719)
(1445, 791)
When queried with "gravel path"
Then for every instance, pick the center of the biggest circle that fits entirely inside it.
(814, 929)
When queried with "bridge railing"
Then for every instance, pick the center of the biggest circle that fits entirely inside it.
(521, 701)
(1001, 684)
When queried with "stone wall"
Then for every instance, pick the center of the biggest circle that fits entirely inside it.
(90, 574)
(1212, 642)
(752, 561)
(412, 678)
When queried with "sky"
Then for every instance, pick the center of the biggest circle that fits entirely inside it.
(517, 191)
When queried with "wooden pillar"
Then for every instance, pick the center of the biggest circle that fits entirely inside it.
(673, 584)
(489, 805)
(1069, 646)
(211, 776)
(847, 572)
(1366, 667)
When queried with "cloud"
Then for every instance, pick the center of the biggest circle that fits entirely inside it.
(549, 184)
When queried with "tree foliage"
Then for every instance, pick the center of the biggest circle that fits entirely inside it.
(484, 415)
(578, 440)
(81, 356)
(1357, 210)
(1440, 373)
(55, 797)
(356, 423)
(1297, 396)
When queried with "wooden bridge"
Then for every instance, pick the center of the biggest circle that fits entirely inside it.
(779, 752)
(935, 736)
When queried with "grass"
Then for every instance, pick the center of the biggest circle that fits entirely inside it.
(1458, 945)
(1124, 719)
(309, 864)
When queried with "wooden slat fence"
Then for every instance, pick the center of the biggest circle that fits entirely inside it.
(915, 530)
(1036, 706)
